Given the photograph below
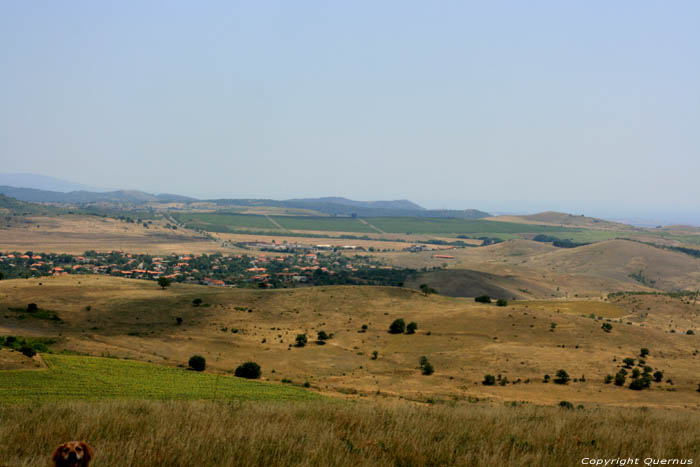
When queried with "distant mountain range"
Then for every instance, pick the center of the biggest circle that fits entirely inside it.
(33, 195)
(347, 207)
(43, 189)
(43, 182)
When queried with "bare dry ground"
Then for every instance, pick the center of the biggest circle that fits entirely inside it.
(334, 241)
(464, 340)
(561, 219)
(76, 234)
(538, 270)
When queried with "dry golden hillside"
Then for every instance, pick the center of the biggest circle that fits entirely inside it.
(626, 260)
(75, 234)
(562, 219)
(464, 340)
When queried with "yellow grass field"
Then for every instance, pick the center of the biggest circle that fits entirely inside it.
(77, 234)
(464, 340)
(345, 434)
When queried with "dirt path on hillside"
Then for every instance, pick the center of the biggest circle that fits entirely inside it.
(274, 222)
(372, 226)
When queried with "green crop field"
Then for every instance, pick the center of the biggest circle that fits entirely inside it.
(231, 222)
(95, 378)
(225, 222)
(328, 224)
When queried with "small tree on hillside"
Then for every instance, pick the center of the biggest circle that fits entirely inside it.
(197, 363)
(196, 302)
(562, 377)
(301, 340)
(483, 299)
(620, 379)
(501, 302)
(640, 383)
(164, 282)
(489, 380)
(411, 327)
(249, 370)
(32, 308)
(28, 351)
(643, 352)
(397, 327)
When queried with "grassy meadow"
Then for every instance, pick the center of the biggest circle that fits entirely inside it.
(189, 433)
(69, 377)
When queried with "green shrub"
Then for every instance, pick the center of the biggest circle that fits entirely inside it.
(428, 369)
(483, 299)
(375, 355)
(620, 379)
(628, 362)
(566, 405)
(639, 384)
(489, 380)
(607, 327)
(197, 363)
(164, 282)
(249, 370)
(643, 352)
(32, 308)
(397, 327)
(322, 336)
(197, 302)
(609, 379)
(658, 376)
(411, 327)
(501, 302)
(562, 377)
(301, 340)
(27, 351)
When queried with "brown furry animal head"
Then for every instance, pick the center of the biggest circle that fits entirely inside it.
(72, 454)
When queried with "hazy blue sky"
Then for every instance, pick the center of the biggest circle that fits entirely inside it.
(590, 106)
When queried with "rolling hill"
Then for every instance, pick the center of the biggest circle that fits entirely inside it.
(464, 340)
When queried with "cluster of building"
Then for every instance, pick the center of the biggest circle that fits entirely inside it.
(316, 265)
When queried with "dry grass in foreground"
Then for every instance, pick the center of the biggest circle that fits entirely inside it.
(140, 433)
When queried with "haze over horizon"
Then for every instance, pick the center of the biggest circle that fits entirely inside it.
(584, 108)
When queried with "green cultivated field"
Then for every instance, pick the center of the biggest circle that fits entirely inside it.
(329, 224)
(95, 378)
(225, 222)
(231, 222)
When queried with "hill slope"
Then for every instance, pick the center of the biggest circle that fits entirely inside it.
(626, 260)
(464, 340)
